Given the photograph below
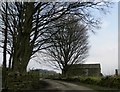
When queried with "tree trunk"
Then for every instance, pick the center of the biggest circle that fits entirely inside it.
(22, 55)
(22, 46)
(4, 70)
(64, 72)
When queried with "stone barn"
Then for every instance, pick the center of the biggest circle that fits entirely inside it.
(85, 70)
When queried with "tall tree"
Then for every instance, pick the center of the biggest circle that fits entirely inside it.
(69, 45)
(28, 23)
(4, 49)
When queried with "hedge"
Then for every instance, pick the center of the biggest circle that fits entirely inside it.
(107, 81)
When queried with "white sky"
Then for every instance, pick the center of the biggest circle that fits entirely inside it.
(104, 44)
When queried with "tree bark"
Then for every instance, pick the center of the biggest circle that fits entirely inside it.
(64, 71)
(22, 46)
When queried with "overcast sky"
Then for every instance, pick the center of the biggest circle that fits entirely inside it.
(104, 44)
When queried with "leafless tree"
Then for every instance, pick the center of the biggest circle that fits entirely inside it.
(5, 48)
(69, 44)
(28, 23)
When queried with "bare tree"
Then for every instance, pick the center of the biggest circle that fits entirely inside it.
(28, 23)
(5, 49)
(69, 44)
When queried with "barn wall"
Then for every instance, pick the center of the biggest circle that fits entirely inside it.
(85, 70)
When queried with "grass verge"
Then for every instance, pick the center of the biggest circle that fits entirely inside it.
(97, 88)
